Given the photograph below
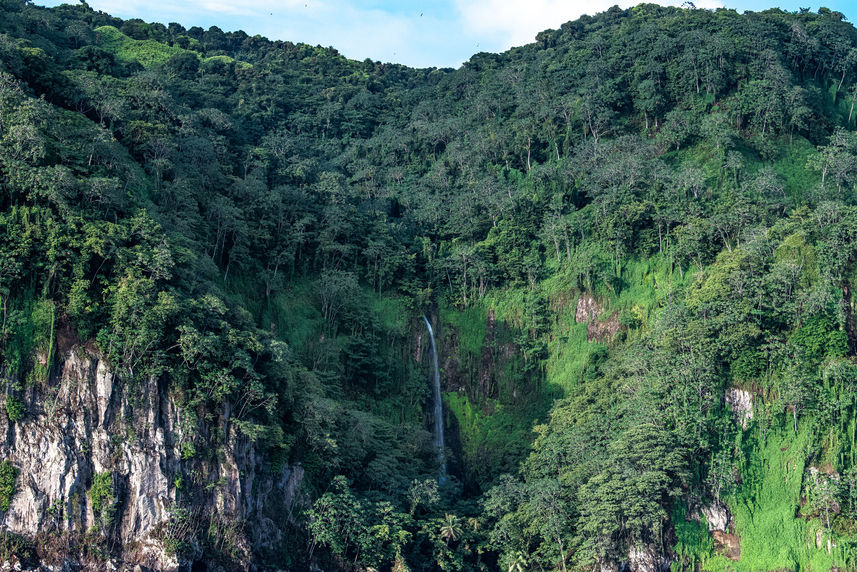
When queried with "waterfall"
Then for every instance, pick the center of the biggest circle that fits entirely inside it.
(438, 406)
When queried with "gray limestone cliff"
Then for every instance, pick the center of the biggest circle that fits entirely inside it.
(108, 476)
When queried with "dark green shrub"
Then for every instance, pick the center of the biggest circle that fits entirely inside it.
(14, 408)
(8, 476)
(101, 495)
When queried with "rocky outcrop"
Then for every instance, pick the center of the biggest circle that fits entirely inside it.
(717, 516)
(157, 491)
(644, 558)
(599, 328)
(587, 309)
(722, 529)
(741, 403)
(728, 545)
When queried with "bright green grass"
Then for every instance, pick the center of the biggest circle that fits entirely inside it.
(470, 326)
(693, 542)
(506, 424)
(495, 434)
(646, 286)
(508, 305)
(567, 353)
(494, 437)
(147, 52)
(764, 509)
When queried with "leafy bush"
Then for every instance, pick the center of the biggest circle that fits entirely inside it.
(8, 476)
(101, 495)
(819, 336)
(14, 545)
(188, 451)
(14, 408)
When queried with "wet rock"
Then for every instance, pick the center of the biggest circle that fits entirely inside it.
(602, 331)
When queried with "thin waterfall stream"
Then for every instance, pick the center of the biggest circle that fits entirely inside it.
(437, 430)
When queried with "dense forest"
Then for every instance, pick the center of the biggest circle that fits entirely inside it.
(635, 238)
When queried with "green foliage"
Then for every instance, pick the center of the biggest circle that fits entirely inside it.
(493, 437)
(646, 467)
(694, 544)
(260, 225)
(188, 450)
(469, 327)
(146, 52)
(15, 408)
(15, 545)
(765, 507)
(31, 339)
(817, 338)
(8, 479)
(338, 521)
(102, 498)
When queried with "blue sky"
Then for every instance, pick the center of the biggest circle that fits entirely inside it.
(441, 33)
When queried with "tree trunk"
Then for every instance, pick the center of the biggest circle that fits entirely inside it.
(567, 243)
(562, 554)
(529, 144)
(849, 320)
(851, 112)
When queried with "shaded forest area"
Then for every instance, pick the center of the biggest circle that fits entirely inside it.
(637, 236)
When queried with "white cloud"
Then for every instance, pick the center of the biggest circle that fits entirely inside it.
(515, 23)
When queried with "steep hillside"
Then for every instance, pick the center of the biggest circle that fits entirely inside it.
(634, 240)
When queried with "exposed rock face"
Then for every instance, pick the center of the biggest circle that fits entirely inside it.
(717, 516)
(587, 309)
(86, 422)
(741, 403)
(602, 331)
(728, 545)
(646, 559)
(598, 329)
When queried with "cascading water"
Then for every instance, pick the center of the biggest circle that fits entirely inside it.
(438, 407)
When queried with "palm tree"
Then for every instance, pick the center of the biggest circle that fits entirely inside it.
(451, 528)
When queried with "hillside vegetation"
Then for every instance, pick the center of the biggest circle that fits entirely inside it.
(637, 237)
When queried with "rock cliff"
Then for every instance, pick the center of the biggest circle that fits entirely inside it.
(108, 473)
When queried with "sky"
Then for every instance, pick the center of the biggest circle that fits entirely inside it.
(419, 33)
